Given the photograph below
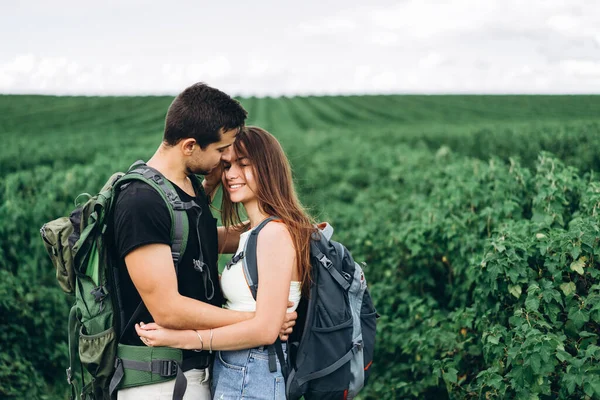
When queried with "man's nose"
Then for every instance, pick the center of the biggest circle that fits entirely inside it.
(225, 154)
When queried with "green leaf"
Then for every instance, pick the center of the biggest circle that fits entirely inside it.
(579, 317)
(493, 339)
(569, 382)
(536, 363)
(532, 303)
(451, 375)
(578, 265)
(562, 355)
(515, 290)
(568, 288)
(594, 382)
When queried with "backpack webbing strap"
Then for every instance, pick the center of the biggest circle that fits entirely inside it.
(73, 352)
(164, 368)
(249, 261)
(333, 367)
(277, 349)
(326, 262)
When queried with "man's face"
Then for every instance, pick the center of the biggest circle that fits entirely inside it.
(205, 160)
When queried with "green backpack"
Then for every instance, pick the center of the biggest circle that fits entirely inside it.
(86, 268)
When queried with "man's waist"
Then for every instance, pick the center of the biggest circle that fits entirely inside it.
(194, 360)
(190, 359)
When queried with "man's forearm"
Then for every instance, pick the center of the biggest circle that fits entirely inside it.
(229, 239)
(187, 313)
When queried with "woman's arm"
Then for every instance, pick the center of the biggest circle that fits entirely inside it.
(276, 263)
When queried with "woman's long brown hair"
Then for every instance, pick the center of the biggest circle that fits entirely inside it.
(275, 193)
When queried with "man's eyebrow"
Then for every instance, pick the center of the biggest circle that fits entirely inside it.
(223, 147)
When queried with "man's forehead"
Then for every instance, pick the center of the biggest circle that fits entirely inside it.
(227, 154)
(233, 131)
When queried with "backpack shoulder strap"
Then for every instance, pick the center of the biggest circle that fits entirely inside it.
(317, 251)
(250, 267)
(177, 208)
(249, 262)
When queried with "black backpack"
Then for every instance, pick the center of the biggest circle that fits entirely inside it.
(329, 355)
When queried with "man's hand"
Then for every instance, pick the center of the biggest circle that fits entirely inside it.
(288, 324)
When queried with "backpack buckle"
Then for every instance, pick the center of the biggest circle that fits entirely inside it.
(177, 204)
(157, 178)
(168, 368)
(234, 259)
(325, 261)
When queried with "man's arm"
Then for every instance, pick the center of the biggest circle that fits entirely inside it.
(153, 274)
(276, 259)
(229, 239)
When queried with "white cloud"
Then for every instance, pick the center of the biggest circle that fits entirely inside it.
(22, 64)
(327, 26)
(7, 81)
(432, 60)
(410, 46)
(583, 68)
(385, 38)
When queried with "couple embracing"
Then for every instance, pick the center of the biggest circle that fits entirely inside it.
(224, 329)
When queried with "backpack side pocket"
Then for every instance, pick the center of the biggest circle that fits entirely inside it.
(55, 235)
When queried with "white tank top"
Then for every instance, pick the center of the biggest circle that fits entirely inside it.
(235, 287)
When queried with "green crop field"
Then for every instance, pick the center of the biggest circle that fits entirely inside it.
(478, 217)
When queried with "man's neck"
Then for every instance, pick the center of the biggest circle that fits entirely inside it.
(164, 162)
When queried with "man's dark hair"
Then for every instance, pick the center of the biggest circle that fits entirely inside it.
(199, 112)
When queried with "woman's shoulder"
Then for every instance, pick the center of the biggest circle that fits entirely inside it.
(276, 227)
(276, 233)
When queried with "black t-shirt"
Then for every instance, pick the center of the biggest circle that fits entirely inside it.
(141, 217)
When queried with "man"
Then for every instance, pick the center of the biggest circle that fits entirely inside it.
(201, 124)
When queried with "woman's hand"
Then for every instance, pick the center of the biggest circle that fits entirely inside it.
(154, 335)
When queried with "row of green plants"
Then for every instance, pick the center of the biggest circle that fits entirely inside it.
(486, 272)
(477, 126)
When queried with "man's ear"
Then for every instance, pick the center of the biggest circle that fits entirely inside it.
(187, 146)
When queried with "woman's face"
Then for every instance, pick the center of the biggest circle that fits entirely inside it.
(238, 177)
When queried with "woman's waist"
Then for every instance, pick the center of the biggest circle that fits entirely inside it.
(249, 305)
(260, 352)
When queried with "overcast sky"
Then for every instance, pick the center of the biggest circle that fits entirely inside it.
(268, 47)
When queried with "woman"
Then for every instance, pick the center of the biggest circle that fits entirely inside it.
(256, 174)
